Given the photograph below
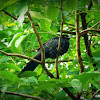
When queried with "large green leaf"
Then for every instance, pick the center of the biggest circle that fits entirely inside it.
(70, 5)
(51, 12)
(37, 15)
(21, 16)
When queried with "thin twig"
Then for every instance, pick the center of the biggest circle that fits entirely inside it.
(23, 95)
(21, 56)
(9, 14)
(90, 29)
(95, 25)
(94, 94)
(59, 42)
(59, 45)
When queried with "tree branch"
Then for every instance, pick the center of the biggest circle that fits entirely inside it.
(21, 56)
(23, 95)
(73, 33)
(9, 14)
(84, 25)
(78, 44)
(41, 46)
(85, 30)
(84, 33)
(89, 29)
(95, 24)
(94, 94)
(70, 94)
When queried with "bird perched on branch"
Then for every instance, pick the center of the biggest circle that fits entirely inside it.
(51, 48)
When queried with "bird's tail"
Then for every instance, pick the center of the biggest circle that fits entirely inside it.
(30, 66)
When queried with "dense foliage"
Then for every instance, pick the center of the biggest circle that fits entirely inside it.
(18, 36)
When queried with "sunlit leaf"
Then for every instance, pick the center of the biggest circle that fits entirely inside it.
(22, 13)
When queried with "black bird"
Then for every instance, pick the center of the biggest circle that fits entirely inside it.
(50, 51)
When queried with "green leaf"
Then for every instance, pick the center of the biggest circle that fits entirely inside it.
(9, 76)
(70, 5)
(96, 56)
(96, 82)
(32, 80)
(61, 95)
(5, 3)
(29, 81)
(96, 53)
(97, 16)
(51, 12)
(4, 58)
(54, 29)
(15, 42)
(86, 77)
(28, 74)
(37, 15)
(43, 77)
(9, 66)
(38, 70)
(45, 25)
(51, 83)
(96, 3)
(77, 85)
(2, 45)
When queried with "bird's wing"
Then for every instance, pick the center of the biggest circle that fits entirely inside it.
(51, 48)
(52, 43)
